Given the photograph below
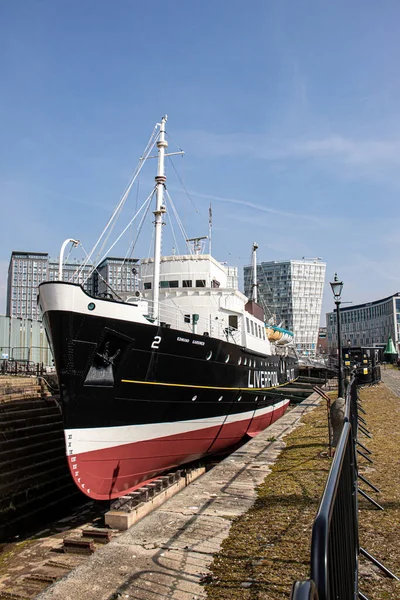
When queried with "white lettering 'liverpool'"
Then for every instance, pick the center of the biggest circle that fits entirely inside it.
(262, 379)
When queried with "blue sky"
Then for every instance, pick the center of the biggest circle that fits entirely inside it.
(288, 112)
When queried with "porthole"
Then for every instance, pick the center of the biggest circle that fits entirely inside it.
(239, 399)
(255, 399)
(239, 360)
(245, 362)
(220, 398)
(91, 306)
(254, 364)
(209, 355)
(227, 358)
(264, 398)
(194, 398)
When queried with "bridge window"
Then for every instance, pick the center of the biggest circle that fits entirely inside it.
(233, 321)
(187, 283)
(200, 283)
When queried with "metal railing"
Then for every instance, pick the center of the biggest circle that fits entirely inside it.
(335, 544)
(21, 367)
(36, 354)
(305, 590)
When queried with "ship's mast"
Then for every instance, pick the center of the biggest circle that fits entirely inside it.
(209, 228)
(160, 178)
(254, 294)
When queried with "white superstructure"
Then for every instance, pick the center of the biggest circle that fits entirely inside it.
(197, 293)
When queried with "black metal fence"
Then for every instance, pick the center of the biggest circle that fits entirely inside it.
(21, 367)
(335, 545)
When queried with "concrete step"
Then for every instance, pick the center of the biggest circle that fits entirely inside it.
(52, 433)
(28, 404)
(31, 457)
(22, 432)
(24, 413)
(54, 443)
(31, 476)
(31, 420)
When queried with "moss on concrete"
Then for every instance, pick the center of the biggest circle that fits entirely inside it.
(269, 547)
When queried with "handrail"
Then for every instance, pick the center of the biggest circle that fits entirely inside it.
(334, 546)
(335, 543)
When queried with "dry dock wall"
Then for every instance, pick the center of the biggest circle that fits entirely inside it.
(34, 475)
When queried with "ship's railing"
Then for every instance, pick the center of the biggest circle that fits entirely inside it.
(335, 544)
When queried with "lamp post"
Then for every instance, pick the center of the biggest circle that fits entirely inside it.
(337, 287)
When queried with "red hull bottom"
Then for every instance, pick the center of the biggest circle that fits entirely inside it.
(112, 472)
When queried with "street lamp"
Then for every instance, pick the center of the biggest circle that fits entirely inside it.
(337, 287)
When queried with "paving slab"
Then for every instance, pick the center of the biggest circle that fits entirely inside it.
(391, 378)
(167, 553)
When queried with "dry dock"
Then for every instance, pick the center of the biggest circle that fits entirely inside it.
(167, 554)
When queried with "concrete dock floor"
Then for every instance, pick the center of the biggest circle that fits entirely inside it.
(167, 554)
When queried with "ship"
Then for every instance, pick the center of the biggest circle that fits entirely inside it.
(180, 371)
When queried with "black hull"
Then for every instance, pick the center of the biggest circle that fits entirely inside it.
(115, 375)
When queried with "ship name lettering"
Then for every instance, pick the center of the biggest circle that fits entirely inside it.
(198, 342)
(262, 379)
(180, 339)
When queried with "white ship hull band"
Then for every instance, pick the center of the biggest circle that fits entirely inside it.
(99, 438)
(113, 471)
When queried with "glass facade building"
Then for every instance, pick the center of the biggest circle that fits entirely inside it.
(291, 293)
(366, 324)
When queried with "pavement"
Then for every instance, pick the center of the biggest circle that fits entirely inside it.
(391, 378)
(167, 554)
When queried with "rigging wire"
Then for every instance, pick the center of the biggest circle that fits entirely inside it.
(173, 233)
(140, 227)
(99, 275)
(146, 202)
(180, 224)
(150, 145)
(182, 184)
(70, 250)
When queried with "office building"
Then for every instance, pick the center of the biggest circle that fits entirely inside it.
(27, 270)
(368, 324)
(117, 276)
(291, 295)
